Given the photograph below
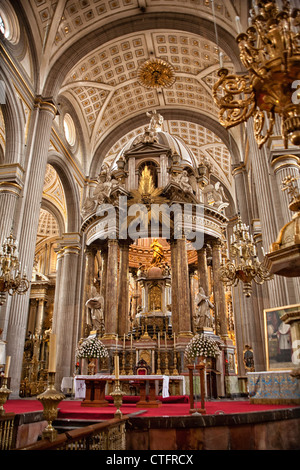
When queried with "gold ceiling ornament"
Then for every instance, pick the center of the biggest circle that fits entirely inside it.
(270, 51)
(11, 279)
(156, 73)
(245, 266)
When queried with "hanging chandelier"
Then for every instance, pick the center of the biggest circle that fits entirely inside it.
(270, 51)
(245, 266)
(11, 279)
(156, 73)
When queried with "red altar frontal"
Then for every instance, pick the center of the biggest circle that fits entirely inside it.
(92, 388)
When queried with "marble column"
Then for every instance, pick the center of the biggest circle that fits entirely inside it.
(184, 313)
(90, 253)
(219, 291)
(111, 298)
(286, 165)
(174, 278)
(28, 219)
(123, 296)
(203, 270)
(66, 312)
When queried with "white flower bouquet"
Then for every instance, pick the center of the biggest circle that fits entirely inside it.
(201, 346)
(91, 348)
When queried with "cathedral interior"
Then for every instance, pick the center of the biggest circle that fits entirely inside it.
(139, 217)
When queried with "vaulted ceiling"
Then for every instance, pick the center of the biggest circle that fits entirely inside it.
(87, 54)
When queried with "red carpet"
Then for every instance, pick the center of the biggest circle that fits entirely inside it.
(72, 409)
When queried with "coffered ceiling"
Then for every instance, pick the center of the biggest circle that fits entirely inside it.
(97, 47)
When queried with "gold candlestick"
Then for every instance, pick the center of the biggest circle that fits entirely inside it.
(50, 400)
(4, 394)
(175, 371)
(131, 363)
(167, 372)
(117, 395)
(123, 371)
(158, 372)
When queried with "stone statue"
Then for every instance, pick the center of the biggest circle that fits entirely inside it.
(214, 195)
(203, 317)
(249, 359)
(95, 308)
(156, 121)
(184, 182)
(158, 253)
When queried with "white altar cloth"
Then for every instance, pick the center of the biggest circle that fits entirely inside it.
(79, 382)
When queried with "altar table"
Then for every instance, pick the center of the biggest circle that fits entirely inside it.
(94, 390)
(273, 387)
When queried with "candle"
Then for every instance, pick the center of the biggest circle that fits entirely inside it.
(158, 338)
(52, 353)
(165, 340)
(174, 340)
(117, 367)
(124, 342)
(131, 341)
(116, 341)
(7, 364)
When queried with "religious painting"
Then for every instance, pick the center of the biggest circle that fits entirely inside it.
(278, 338)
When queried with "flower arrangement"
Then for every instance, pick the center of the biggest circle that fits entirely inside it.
(91, 348)
(201, 346)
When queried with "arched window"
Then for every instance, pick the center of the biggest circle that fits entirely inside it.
(69, 129)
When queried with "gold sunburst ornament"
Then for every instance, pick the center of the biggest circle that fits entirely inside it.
(156, 73)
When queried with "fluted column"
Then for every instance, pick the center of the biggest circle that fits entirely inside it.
(286, 165)
(26, 234)
(65, 315)
(111, 297)
(219, 291)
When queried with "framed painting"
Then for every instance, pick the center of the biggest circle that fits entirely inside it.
(278, 337)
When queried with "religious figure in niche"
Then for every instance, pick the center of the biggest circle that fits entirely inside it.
(249, 359)
(95, 308)
(203, 317)
(158, 253)
(155, 298)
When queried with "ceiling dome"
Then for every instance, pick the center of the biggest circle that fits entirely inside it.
(174, 143)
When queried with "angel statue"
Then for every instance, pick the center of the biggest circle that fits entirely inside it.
(94, 310)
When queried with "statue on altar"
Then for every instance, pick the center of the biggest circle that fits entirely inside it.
(203, 317)
(95, 308)
(158, 253)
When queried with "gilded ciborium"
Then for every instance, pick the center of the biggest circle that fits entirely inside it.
(50, 400)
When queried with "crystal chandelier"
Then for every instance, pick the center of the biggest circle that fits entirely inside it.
(11, 279)
(270, 51)
(245, 266)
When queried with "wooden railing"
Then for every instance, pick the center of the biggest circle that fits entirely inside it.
(109, 435)
(6, 431)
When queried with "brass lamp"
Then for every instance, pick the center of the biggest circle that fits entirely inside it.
(11, 279)
(270, 51)
(245, 266)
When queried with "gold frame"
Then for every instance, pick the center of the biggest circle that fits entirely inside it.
(279, 312)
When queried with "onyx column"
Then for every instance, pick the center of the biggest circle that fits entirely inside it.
(219, 292)
(123, 296)
(111, 297)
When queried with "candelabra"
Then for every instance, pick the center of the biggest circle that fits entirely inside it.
(11, 279)
(50, 400)
(4, 394)
(245, 266)
(269, 50)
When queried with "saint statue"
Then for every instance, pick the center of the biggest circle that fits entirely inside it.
(158, 253)
(203, 317)
(156, 121)
(95, 307)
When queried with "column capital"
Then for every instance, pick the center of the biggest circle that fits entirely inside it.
(46, 104)
(238, 168)
(285, 161)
